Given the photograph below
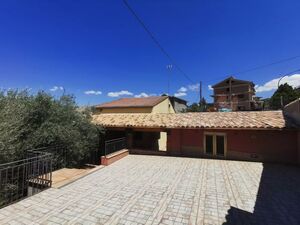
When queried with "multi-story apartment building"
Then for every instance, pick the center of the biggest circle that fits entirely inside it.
(234, 94)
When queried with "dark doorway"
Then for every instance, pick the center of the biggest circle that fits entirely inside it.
(146, 140)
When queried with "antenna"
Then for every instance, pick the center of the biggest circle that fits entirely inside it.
(169, 67)
(200, 92)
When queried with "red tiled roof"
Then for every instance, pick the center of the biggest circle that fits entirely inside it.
(211, 120)
(133, 102)
(223, 82)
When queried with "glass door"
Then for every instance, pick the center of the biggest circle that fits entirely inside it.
(220, 145)
(215, 144)
(209, 144)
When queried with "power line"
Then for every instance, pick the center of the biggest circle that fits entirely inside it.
(286, 74)
(156, 41)
(267, 65)
(215, 79)
(257, 68)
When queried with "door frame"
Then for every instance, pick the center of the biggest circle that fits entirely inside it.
(215, 134)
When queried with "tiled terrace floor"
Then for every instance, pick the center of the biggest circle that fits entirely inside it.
(168, 190)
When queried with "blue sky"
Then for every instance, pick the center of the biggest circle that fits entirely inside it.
(92, 48)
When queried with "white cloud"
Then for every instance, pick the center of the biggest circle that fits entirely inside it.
(118, 93)
(142, 95)
(182, 89)
(180, 94)
(57, 88)
(293, 80)
(92, 92)
(194, 87)
(210, 88)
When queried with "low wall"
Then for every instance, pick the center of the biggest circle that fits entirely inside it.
(111, 158)
(298, 147)
(293, 110)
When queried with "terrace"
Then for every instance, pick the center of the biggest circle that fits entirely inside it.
(168, 190)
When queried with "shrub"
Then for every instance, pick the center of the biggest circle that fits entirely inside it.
(33, 121)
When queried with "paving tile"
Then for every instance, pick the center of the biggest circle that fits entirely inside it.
(140, 190)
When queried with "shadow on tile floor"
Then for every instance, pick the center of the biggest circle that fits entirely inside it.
(278, 198)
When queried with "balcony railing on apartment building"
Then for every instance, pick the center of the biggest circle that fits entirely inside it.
(26, 177)
(114, 145)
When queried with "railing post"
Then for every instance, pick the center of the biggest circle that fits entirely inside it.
(16, 178)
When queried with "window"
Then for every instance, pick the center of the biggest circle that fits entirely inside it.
(215, 144)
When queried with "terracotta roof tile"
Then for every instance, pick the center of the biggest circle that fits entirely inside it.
(133, 102)
(230, 120)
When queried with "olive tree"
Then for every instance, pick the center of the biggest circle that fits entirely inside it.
(32, 121)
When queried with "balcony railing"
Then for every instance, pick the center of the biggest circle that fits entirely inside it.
(26, 177)
(114, 145)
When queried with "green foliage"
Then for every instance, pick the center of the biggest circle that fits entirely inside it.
(286, 92)
(33, 121)
(193, 108)
(197, 107)
(266, 103)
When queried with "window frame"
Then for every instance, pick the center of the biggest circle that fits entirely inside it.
(215, 134)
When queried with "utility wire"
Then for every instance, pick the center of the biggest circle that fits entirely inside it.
(258, 67)
(156, 41)
(286, 74)
(267, 65)
(174, 62)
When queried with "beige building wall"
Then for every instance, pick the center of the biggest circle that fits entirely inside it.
(164, 107)
(162, 142)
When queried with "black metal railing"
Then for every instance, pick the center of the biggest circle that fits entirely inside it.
(114, 145)
(58, 153)
(26, 177)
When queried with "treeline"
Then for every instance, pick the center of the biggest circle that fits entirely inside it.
(282, 96)
(32, 121)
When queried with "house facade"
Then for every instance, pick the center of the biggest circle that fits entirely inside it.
(250, 145)
(266, 136)
(234, 94)
(179, 105)
(147, 105)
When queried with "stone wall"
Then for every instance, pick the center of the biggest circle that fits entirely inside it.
(293, 110)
